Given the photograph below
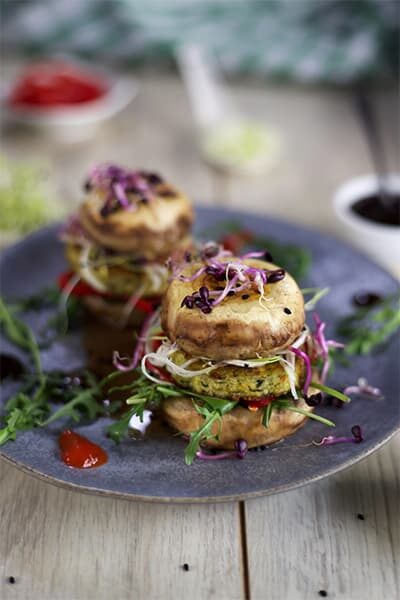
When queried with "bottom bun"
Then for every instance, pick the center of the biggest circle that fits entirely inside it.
(240, 423)
(112, 312)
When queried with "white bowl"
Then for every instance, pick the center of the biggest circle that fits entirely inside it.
(77, 123)
(381, 242)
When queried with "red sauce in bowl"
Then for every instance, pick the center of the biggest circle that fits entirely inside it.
(56, 84)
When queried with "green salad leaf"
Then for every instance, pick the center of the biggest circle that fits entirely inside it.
(368, 327)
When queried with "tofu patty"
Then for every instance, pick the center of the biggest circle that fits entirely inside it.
(122, 279)
(239, 382)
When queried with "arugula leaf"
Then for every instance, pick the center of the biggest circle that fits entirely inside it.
(43, 299)
(118, 430)
(294, 259)
(23, 413)
(203, 433)
(267, 414)
(20, 334)
(85, 403)
(368, 327)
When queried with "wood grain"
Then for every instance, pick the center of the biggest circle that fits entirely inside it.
(63, 545)
(314, 538)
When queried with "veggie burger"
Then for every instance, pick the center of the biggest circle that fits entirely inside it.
(117, 244)
(235, 347)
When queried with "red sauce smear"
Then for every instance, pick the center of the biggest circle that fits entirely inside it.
(79, 452)
(56, 84)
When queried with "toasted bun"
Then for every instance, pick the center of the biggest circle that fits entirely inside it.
(240, 423)
(237, 328)
(112, 312)
(150, 231)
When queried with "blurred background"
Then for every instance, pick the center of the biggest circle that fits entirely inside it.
(249, 104)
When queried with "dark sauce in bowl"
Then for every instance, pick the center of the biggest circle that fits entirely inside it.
(373, 209)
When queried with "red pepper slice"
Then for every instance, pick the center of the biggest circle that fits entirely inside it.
(160, 372)
(236, 240)
(256, 403)
(79, 452)
(82, 289)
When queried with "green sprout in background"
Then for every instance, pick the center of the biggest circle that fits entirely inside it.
(26, 198)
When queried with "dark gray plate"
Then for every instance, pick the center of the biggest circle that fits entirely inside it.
(154, 469)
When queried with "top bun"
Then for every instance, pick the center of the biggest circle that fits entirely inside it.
(239, 327)
(150, 228)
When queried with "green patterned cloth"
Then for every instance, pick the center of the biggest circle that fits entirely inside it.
(335, 41)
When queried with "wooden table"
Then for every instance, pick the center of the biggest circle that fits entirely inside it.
(337, 538)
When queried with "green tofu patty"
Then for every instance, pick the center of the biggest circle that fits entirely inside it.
(119, 279)
(239, 382)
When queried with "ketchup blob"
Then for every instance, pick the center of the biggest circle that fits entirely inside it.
(79, 452)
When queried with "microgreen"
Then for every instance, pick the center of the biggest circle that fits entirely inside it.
(330, 391)
(294, 259)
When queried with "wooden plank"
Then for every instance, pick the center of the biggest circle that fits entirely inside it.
(61, 545)
(315, 539)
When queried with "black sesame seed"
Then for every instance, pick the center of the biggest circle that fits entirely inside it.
(87, 186)
(211, 251)
(204, 293)
(231, 293)
(323, 593)
(276, 276)
(219, 288)
(153, 178)
(268, 256)
(336, 402)
(287, 311)
(245, 296)
(206, 309)
(314, 400)
(366, 299)
(185, 567)
(11, 579)
(361, 517)
(166, 193)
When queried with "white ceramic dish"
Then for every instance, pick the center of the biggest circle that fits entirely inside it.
(380, 242)
(76, 123)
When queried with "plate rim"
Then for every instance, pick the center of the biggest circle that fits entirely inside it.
(93, 491)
